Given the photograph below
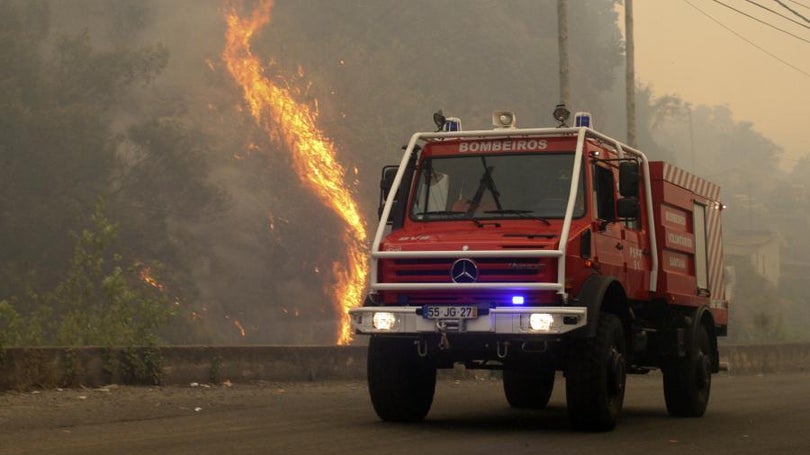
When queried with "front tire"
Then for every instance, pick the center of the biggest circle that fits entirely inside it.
(400, 382)
(595, 377)
(528, 387)
(688, 381)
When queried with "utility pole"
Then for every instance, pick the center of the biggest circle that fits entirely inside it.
(691, 138)
(562, 45)
(630, 73)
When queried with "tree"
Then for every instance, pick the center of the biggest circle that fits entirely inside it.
(70, 134)
(57, 140)
(98, 302)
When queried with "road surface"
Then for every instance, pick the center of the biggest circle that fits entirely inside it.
(747, 414)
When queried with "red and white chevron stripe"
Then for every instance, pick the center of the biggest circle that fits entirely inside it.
(691, 182)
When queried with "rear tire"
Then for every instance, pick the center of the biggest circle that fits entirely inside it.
(688, 381)
(400, 382)
(528, 387)
(595, 377)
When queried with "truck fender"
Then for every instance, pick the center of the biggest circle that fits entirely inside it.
(597, 292)
(704, 317)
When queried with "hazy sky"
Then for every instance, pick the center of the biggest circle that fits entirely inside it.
(683, 52)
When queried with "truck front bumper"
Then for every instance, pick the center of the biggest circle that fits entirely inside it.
(504, 320)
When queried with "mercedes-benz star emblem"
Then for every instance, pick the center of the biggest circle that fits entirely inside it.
(464, 271)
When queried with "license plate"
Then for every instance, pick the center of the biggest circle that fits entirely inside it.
(450, 312)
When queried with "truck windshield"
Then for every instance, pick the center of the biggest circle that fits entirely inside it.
(496, 187)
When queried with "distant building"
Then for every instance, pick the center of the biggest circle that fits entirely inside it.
(760, 248)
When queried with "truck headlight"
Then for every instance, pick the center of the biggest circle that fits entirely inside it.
(384, 320)
(538, 322)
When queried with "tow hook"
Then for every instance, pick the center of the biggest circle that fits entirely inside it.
(502, 354)
(421, 347)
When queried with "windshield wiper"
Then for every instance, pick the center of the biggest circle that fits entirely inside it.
(509, 211)
(458, 215)
(486, 183)
(443, 212)
(522, 213)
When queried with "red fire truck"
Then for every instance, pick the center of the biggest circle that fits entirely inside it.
(539, 250)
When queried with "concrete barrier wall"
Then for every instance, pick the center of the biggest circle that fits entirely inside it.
(766, 358)
(25, 368)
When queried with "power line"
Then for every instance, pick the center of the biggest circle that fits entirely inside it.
(778, 13)
(800, 4)
(791, 10)
(761, 21)
(747, 40)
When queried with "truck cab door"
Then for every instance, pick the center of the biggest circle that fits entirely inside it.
(634, 233)
(637, 259)
(621, 243)
(608, 233)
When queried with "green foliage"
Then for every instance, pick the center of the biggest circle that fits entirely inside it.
(215, 374)
(23, 329)
(103, 304)
(84, 75)
(135, 365)
(74, 127)
(69, 368)
(57, 139)
(9, 324)
(164, 173)
(142, 365)
(98, 303)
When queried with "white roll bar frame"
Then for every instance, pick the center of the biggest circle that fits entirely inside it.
(582, 134)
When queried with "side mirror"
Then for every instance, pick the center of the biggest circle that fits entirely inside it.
(585, 244)
(386, 182)
(629, 177)
(628, 208)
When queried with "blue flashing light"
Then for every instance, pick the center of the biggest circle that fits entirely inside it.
(582, 119)
(518, 300)
(452, 124)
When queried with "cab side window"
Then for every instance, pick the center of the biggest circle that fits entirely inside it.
(605, 187)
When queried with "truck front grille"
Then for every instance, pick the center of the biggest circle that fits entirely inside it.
(490, 270)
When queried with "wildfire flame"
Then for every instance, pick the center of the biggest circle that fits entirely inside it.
(148, 278)
(275, 110)
(239, 327)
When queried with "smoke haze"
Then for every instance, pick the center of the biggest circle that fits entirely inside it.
(262, 252)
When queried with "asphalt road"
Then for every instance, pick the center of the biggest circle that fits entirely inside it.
(747, 414)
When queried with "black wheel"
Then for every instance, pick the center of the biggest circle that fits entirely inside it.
(688, 381)
(528, 387)
(595, 377)
(400, 382)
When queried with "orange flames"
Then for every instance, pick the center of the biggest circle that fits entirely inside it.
(148, 278)
(239, 327)
(275, 111)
